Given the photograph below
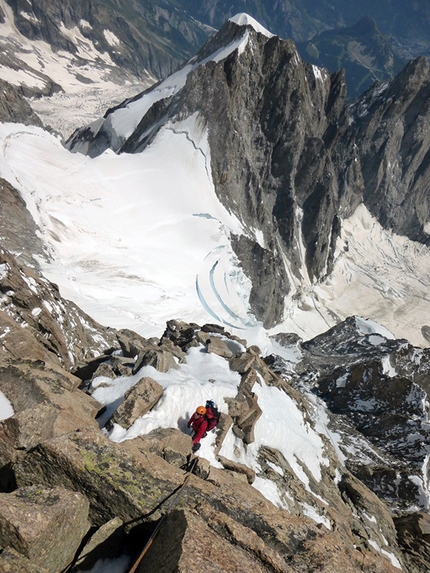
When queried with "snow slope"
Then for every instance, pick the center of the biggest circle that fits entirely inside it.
(133, 239)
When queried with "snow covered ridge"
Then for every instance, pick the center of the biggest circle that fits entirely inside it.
(243, 19)
(121, 123)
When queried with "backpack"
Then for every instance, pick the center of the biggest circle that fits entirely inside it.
(212, 414)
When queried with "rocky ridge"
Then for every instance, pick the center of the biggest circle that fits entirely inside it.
(58, 464)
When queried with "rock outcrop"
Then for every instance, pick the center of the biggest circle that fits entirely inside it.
(36, 521)
(60, 333)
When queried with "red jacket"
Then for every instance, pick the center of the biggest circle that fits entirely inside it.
(211, 418)
(199, 425)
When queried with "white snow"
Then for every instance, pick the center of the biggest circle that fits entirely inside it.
(311, 512)
(120, 565)
(394, 561)
(111, 39)
(137, 239)
(380, 275)
(243, 19)
(6, 409)
(387, 368)
(319, 73)
(207, 376)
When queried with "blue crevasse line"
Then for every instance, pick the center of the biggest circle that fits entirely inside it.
(208, 309)
(225, 307)
(204, 303)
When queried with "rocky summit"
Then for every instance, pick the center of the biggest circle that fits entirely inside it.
(319, 460)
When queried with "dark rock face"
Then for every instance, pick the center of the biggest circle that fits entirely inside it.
(20, 237)
(13, 106)
(263, 108)
(368, 382)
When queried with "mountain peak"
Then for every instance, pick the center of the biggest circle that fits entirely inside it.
(243, 19)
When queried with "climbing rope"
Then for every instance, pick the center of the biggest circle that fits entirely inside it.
(169, 509)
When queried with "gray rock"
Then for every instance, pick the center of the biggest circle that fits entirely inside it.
(217, 346)
(13, 562)
(137, 401)
(36, 521)
(159, 359)
(131, 343)
(168, 443)
(239, 468)
(106, 543)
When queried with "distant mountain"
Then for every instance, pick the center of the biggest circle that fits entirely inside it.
(140, 37)
(136, 40)
(364, 53)
(406, 24)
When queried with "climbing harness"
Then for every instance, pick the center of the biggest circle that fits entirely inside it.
(169, 509)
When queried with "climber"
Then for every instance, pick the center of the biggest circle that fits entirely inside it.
(199, 423)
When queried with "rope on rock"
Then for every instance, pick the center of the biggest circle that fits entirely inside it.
(169, 509)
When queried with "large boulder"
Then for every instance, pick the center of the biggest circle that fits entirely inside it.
(156, 357)
(171, 444)
(118, 482)
(138, 400)
(186, 543)
(36, 522)
(131, 343)
(46, 403)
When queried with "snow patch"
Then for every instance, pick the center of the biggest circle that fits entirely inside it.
(394, 561)
(243, 19)
(111, 39)
(4, 267)
(29, 17)
(6, 409)
(387, 368)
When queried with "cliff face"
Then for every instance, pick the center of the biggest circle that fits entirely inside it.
(287, 157)
(389, 137)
